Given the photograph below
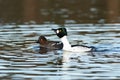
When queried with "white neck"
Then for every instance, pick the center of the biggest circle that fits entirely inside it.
(66, 44)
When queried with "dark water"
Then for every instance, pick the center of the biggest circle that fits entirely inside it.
(19, 61)
(59, 11)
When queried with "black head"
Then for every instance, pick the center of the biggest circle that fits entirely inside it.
(60, 32)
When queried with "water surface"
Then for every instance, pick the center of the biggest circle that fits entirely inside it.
(18, 61)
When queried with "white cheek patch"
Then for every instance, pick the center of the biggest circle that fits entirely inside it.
(57, 31)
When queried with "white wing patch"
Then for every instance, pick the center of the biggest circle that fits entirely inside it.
(79, 49)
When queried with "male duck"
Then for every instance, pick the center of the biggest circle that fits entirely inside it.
(62, 34)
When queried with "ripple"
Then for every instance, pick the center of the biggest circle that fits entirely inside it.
(20, 56)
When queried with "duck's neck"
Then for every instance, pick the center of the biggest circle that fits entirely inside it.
(66, 44)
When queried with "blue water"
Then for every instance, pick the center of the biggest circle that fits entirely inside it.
(21, 58)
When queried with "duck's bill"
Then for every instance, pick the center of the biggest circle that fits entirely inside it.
(54, 30)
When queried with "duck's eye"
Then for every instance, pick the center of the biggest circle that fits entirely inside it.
(57, 31)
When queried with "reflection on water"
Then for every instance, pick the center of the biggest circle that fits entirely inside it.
(20, 58)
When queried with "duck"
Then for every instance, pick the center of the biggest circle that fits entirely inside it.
(62, 34)
(52, 45)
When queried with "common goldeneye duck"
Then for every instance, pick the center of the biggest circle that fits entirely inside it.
(44, 43)
(62, 34)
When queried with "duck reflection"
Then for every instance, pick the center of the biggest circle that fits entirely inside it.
(69, 57)
(70, 61)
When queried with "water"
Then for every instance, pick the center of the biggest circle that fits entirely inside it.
(20, 60)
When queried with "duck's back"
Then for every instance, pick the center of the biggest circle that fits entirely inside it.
(76, 48)
(45, 43)
(54, 45)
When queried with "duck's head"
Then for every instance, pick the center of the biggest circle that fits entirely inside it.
(60, 32)
(41, 40)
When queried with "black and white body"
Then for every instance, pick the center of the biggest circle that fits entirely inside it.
(62, 34)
